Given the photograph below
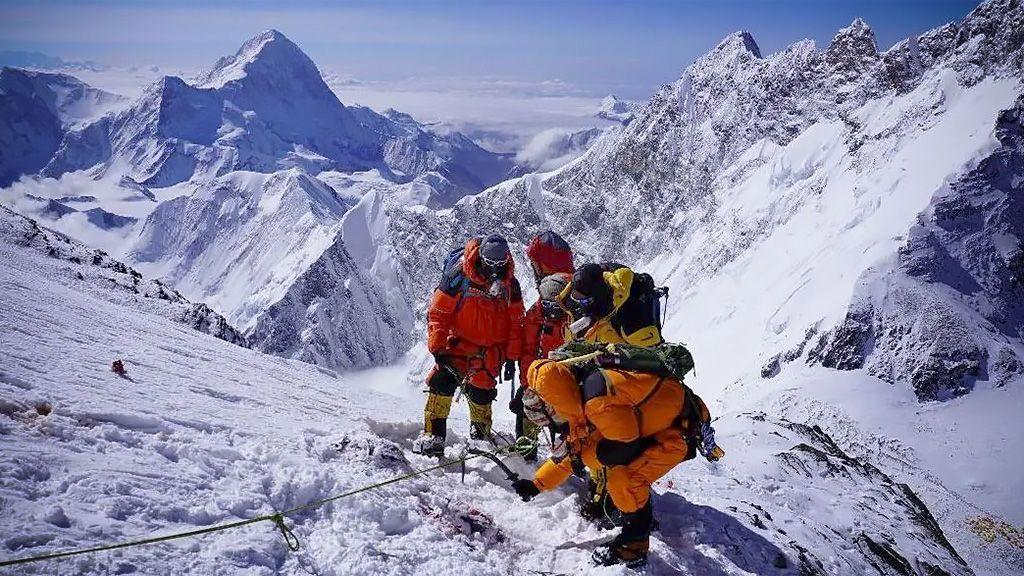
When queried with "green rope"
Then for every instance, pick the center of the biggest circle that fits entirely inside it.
(291, 540)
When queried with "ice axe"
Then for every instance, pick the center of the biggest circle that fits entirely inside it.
(522, 445)
(512, 476)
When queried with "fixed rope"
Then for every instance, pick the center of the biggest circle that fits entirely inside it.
(521, 446)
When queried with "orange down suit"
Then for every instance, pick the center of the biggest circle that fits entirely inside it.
(475, 331)
(631, 423)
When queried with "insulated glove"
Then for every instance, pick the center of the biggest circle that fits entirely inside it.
(526, 489)
(515, 405)
(510, 370)
(707, 442)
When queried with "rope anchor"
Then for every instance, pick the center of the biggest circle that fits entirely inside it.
(290, 539)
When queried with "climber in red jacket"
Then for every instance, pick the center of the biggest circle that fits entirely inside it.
(545, 324)
(474, 326)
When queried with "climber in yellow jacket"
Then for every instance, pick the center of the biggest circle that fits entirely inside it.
(612, 304)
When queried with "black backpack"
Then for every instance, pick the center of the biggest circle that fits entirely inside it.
(642, 308)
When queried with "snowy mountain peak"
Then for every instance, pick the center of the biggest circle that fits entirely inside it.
(267, 53)
(616, 110)
(853, 50)
(740, 41)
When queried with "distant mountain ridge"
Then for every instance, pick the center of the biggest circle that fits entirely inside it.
(36, 111)
(263, 109)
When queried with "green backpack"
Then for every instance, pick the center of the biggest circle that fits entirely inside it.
(665, 359)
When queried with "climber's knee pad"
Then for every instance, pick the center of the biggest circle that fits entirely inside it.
(481, 396)
(441, 381)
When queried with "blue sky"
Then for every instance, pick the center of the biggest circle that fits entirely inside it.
(439, 60)
(626, 47)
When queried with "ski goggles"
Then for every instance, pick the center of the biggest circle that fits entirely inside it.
(496, 267)
(578, 305)
(552, 309)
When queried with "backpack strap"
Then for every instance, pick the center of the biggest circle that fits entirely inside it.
(636, 407)
(454, 281)
(691, 434)
(463, 289)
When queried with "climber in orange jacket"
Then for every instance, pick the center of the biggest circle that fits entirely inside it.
(474, 326)
(630, 428)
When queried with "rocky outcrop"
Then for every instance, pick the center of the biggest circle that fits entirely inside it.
(950, 311)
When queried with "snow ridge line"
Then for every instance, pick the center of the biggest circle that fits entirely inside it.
(521, 446)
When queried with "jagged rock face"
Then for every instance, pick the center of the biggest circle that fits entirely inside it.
(36, 109)
(334, 316)
(951, 310)
(878, 526)
(852, 52)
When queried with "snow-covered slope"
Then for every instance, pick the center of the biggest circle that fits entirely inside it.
(810, 210)
(948, 310)
(202, 432)
(76, 267)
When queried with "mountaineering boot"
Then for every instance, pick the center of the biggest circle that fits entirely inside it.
(480, 436)
(428, 445)
(632, 554)
(630, 547)
(435, 426)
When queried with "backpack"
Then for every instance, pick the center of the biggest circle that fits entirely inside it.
(642, 309)
(452, 276)
(665, 359)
